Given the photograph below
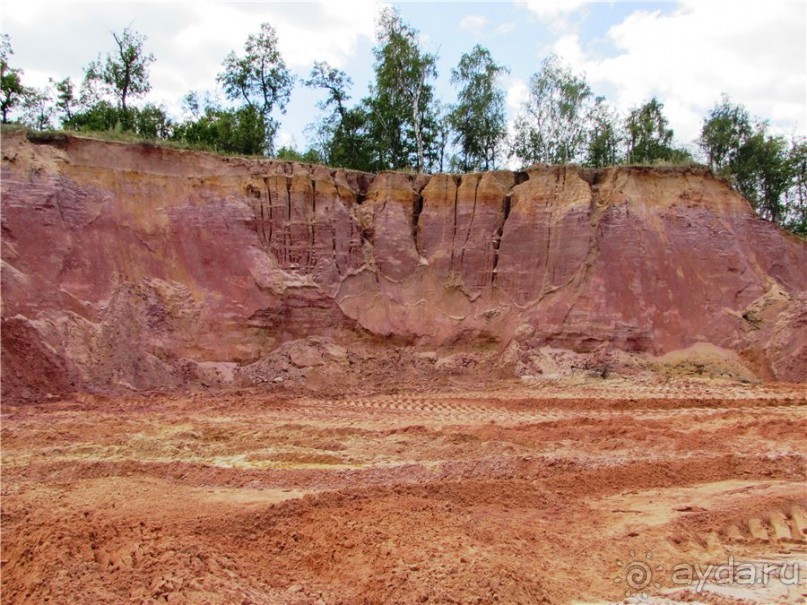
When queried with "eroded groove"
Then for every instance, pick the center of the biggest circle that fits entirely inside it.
(287, 231)
(269, 200)
(457, 182)
(417, 208)
(497, 240)
(312, 225)
(288, 197)
(471, 222)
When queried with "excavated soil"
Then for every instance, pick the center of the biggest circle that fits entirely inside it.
(526, 492)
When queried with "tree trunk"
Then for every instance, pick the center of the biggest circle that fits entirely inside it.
(416, 118)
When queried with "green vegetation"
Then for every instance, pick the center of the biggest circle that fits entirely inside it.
(124, 73)
(552, 126)
(770, 172)
(649, 139)
(12, 92)
(400, 124)
(478, 120)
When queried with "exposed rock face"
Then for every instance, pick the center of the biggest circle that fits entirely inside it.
(143, 267)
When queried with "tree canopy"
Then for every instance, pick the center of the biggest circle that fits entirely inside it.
(401, 112)
(478, 118)
(260, 80)
(125, 72)
(551, 127)
(12, 92)
(649, 138)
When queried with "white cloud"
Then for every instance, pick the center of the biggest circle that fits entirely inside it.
(517, 93)
(316, 32)
(505, 28)
(753, 52)
(473, 23)
(285, 139)
(556, 14)
(552, 9)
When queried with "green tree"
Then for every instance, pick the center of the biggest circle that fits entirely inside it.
(99, 117)
(351, 145)
(762, 173)
(124, 72)
(238, 130)
(604, 137)
(725, 130)
(438, 156)
(795, 212)
(336, 83)
(310, 156)
(551, 127)
(765, 169)
(341, 135)
(478, 119)
(65, 99)
(12, 92)
(151, 122)
(38, 110)
(649, 140)
(260, 79)
(401, 114)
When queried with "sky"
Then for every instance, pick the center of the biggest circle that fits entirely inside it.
(685, 53)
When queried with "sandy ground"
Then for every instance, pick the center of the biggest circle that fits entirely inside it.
(522, 493)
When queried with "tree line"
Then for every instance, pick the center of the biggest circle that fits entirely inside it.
(401, 125)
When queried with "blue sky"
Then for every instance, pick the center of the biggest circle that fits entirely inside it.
(687, 53)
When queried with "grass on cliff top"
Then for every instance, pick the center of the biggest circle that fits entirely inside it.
(118, 136)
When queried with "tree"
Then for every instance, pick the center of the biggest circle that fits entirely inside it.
(66, 102)
(795, 211)
(351, 145)
(341, 136)
(336, 83)
(478, 119)
(762, 173)
(310, 156)
(99, 117)
(124, 73)
(551, 127)
(443, 130)
(726, 129)
(765, 169)
(151, 122)
(38, 109)
(11, 88)
(238, 130)
(260, 79)
(401, 112)
(648, 137)
(604, 137)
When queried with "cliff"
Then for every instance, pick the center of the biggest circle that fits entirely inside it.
(142, 267)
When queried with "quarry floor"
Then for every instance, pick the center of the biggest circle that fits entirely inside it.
(601, 491)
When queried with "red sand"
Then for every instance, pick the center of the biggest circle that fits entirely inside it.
(519, 494)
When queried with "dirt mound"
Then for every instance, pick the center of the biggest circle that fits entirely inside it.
(295, 360)
(703, 359)
(32, 370)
